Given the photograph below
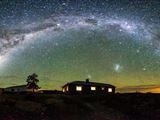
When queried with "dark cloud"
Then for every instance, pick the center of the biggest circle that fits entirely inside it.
(91, 21)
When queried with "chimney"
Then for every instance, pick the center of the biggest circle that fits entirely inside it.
(87, 80)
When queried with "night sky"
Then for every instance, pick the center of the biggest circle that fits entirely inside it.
(110, 41)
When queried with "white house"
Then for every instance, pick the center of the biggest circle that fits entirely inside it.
(20, 88)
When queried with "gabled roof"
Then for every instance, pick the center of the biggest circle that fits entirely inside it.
(88, 83)
(20, 86)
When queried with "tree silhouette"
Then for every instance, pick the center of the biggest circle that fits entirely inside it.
(32, 82)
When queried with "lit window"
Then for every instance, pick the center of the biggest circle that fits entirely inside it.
(93, 88)
(67, 88)
(78, 88)
(63, 90)
(102, 88)
(109, 89)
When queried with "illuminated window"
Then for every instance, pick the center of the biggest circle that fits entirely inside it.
(67, 88)
(109, 89)
(102, 88)
(78, 88)
(93, 88)
(63, 90)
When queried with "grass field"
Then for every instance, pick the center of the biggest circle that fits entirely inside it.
(133, 106)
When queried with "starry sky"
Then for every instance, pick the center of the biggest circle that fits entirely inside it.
(110, 41)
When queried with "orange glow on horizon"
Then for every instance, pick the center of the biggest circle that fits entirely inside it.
(152, 90)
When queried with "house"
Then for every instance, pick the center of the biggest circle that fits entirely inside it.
(1, 90)
(86, 87)
(20, 88)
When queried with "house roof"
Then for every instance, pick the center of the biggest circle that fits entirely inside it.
(13, 87)
(88, 83)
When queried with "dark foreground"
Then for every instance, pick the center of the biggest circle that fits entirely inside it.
(66, 107)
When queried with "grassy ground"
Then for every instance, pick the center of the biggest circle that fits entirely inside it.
(66, 107)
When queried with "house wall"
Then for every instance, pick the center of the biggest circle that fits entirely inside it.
(17, 90)
(86, 89)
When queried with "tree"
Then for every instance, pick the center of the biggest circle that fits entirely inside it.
(32, 82)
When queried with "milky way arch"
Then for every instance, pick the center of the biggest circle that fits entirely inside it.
(18, 37)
